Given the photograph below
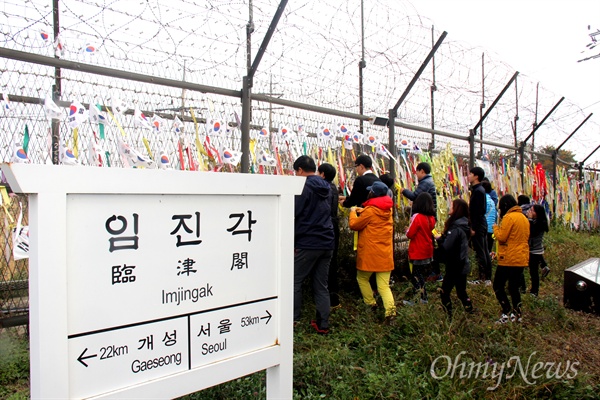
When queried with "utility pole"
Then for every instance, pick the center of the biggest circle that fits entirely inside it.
(361, 65)
(56, 88)
(433, 89)
(482, 105)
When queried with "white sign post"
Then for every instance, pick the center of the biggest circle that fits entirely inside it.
(147, 283)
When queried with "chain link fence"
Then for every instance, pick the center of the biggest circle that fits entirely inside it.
(165, 78)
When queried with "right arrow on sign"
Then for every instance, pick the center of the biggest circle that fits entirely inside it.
(81, 357)
(268, 317)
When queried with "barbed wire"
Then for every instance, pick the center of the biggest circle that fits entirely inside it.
(312, 58)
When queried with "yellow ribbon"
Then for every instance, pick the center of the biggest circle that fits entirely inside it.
(76, 142)
(5, 203)
(116, 122)
(199, 147)
(148, 147)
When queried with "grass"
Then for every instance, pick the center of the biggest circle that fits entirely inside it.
(363, 359)
(14, 364)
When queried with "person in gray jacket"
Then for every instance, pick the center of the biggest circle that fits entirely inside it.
(425, 185)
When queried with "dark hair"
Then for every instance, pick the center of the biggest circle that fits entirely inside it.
(423, 204)
(460, 209)
(487, 186)
(364, 160)
(523, 200)
(387, 179)
(478, 172)
(506, 203)
(541, 217)
(424, 166)
(328, 171)
(306, 163)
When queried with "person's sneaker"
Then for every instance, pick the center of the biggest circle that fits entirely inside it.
(472, 311)
(440, 278)
(545, 271)
(423, 301)
(504, 319)
(389, 320)
(319, 330)
(475, 282)
(408, 303)
(488, 283)
(432, 277)
(533, 294)
(515, 317)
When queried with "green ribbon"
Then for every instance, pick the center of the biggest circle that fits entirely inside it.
(26, 140)
(100, 126)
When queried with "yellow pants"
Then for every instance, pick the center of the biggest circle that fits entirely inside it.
(383, 287)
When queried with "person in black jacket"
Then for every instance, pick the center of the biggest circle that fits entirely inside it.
(477, 209)
(454, 243)
(313, 241)
(538, 224)
(366, 177)
(328, 172)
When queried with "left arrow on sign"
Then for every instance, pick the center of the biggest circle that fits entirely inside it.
(81, 357)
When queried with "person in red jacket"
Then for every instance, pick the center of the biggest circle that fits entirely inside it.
(375, 253)
(420, 248)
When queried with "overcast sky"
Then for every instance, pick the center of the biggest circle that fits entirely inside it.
(540, 38)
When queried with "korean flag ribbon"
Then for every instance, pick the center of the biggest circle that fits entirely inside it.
(231, 157)
(19, 153)
(66, 156)
(164, 161)
(52, 110)
(266, 159)
(158, 123)
(20, 238)
(133, 158)
(77, 114)
(358, 138)
(214, 127)
(140, 119)
(6, 105)
(371, 140)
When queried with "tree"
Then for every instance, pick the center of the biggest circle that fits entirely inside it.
(565, 158)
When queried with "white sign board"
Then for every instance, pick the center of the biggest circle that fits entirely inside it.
(160, 283)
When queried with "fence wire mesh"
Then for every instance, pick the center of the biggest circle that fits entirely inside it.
(14, 274)
(313, 58)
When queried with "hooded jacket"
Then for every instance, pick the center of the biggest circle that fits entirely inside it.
(536, 237)
(313, 229)
(426, 185)
(419, 233)
(512, 235)
(374, 224)
(491, 214)
(455, 243)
